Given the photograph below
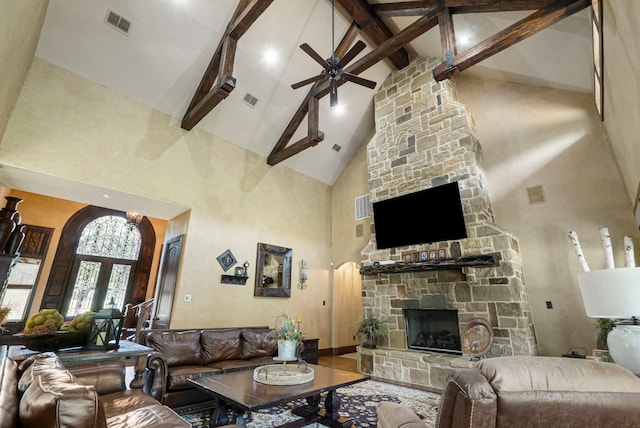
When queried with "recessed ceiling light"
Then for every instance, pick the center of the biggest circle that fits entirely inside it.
(464, 39)
(270, 56)
(105, 196)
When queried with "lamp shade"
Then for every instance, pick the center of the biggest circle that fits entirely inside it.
(611, 293)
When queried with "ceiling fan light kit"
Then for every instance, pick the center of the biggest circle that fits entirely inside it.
(333, 66)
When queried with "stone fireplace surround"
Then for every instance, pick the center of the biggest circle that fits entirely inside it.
(425, 138)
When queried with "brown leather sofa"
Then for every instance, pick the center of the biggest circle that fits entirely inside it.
(534, 392)
(188, 354)
(41, 393)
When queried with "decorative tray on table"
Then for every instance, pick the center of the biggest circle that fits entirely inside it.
(45, 342)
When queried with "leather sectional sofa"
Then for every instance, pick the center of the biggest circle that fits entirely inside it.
(188, 354)
(534, 392)
(41, 393)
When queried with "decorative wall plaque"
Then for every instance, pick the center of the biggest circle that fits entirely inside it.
(226, 260)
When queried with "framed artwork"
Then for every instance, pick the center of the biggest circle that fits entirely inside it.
(226, 260)
(416, 256)
(424, 256)
(407, 257)
(433, 254)
(442, 253)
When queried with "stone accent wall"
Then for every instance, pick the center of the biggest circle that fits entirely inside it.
(425, 138)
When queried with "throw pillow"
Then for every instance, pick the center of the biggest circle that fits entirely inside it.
(218, 345)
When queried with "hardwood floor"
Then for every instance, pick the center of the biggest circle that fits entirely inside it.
(338, 362)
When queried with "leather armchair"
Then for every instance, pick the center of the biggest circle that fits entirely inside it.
(526, 391)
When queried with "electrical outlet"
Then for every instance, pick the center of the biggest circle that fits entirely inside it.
(549, 304)
(187, 297)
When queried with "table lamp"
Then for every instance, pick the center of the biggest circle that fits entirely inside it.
(615, 293)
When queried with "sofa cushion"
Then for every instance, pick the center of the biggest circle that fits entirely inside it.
(117, 403)
(155, 415)
(221, 345)
(394, 415)
(48, 366)
(178, 348)
(236, 365)
(178, 376)
(258, 343)
(60, 404)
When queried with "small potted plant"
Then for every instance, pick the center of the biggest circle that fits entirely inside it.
(288, 335)
(372, 331)
(604, 326)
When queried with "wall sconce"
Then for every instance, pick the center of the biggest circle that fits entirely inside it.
(133, 218)
(302, 269)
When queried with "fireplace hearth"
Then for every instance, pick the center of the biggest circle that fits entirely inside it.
(433, 330)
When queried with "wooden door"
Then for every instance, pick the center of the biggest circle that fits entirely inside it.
(167, 282)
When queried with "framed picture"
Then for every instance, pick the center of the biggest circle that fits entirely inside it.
(407, 257)
(416, 256)
(424, 256)
(433, 254)
(442, 253)
(226, 260)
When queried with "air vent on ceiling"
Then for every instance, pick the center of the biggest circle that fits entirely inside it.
(116, 21)
(536, 194)
(336, 147)
(362, 207)
(250, 100)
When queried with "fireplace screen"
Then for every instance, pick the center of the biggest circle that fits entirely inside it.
(433, 330)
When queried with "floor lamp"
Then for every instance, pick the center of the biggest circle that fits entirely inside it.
(615, 294)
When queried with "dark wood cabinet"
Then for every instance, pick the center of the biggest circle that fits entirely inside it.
(310, 351)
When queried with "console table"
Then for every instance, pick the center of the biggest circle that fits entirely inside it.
(131, 353)
(310, 351)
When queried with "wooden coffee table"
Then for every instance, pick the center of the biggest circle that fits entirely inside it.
(237, 393)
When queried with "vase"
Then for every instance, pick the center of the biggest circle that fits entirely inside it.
(7, 226)
(287, 349)
(15, 240)
(12, 205)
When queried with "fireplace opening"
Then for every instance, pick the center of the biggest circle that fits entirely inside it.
(433, 330)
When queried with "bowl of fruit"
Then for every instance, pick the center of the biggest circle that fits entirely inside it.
(47, 331)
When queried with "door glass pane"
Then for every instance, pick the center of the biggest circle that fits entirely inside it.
(85, 286)
(118, 285)
(110, 236)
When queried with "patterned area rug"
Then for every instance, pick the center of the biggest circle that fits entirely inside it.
(358, 403)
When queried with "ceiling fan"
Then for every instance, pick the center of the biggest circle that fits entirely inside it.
(333, 67)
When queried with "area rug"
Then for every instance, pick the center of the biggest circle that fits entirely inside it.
(358, 403)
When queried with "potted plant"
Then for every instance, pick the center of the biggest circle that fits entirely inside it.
(604, 326)
(288, 335)
(372, 331)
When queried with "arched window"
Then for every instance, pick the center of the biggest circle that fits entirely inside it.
(106, 257)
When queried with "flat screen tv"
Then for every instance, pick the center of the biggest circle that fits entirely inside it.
(426, 216)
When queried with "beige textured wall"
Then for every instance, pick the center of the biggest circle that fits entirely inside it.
(347, 245)
(88, 133)
(622, 87)
(534, 136)
(20, 23)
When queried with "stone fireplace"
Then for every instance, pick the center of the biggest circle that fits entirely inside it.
(425, 138)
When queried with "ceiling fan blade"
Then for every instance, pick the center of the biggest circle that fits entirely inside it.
(315, 55)
(359, 80)
(352, 53)
(333, 93)
(309, 80)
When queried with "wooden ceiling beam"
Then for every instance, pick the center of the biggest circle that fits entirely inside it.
(447, 35)
(511, 35)
(415, 8)
(374, 28)
(220, 69)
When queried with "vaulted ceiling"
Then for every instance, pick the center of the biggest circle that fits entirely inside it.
(200, 60)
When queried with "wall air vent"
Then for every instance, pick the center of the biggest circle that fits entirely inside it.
(250, 100)
(117, 22)
(362, 207)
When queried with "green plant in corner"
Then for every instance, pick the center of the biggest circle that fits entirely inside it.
(604, 326)
(372, 331)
